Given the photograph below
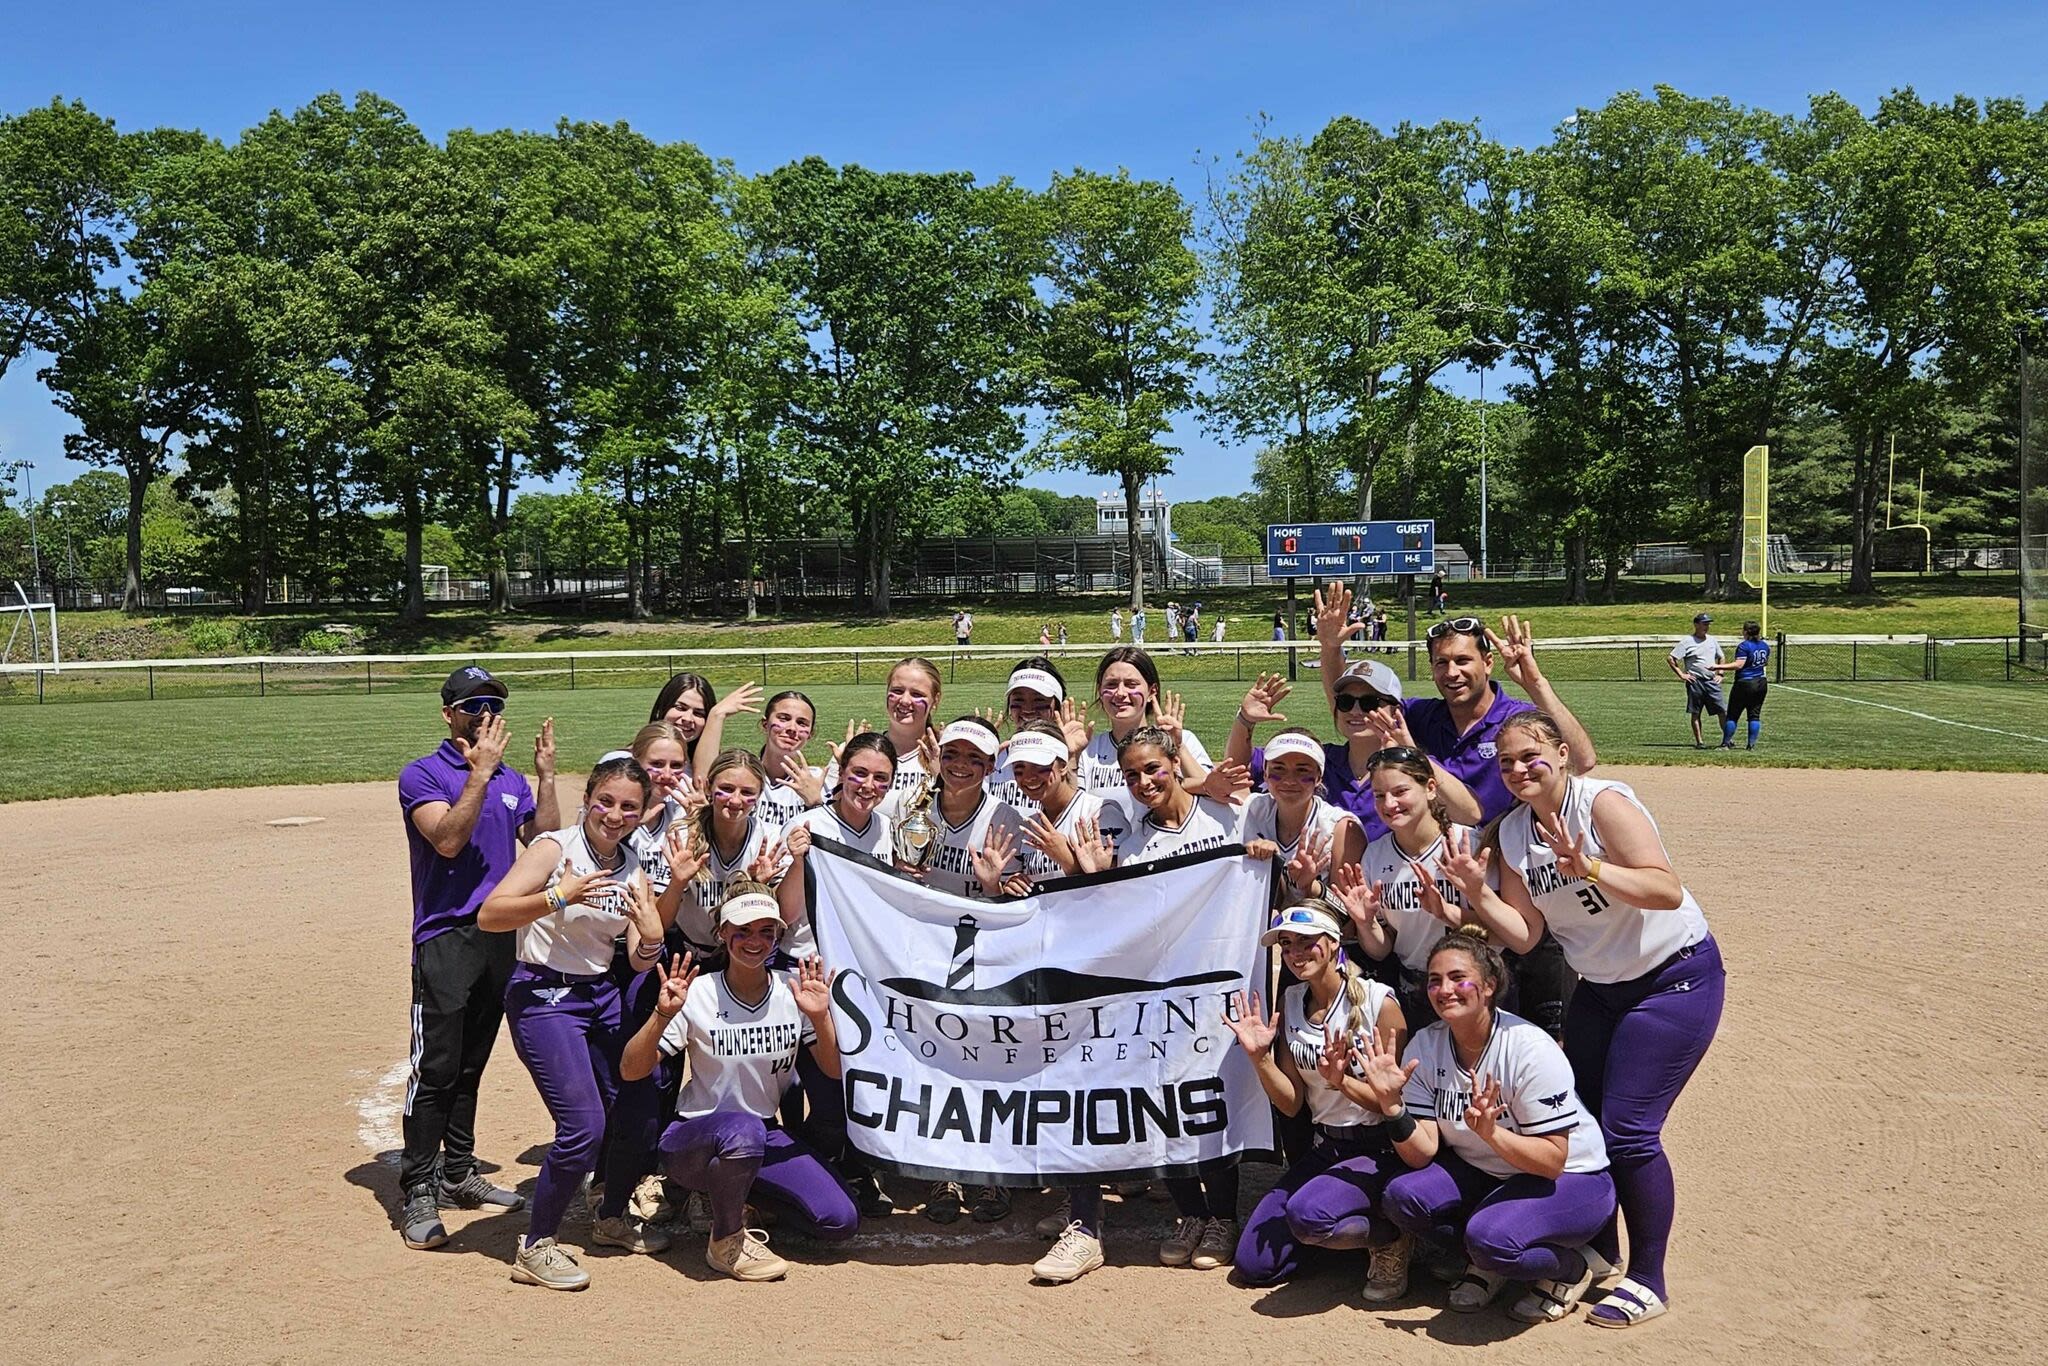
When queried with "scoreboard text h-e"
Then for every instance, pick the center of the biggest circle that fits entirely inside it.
(1301, 550)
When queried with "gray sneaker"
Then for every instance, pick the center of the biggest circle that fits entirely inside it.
(473, 1192)
(420, 1225)
(628, 1233)
(547, 1263)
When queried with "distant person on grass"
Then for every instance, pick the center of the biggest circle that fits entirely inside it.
(1751, 667)
(466, 816)
(1116, 626)
(963, 627)
(1695, 660)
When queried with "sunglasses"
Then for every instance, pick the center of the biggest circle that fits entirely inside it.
(1458, 626)
(1396, 754)
(1352, 701)
(1299, 919)
(480, 706)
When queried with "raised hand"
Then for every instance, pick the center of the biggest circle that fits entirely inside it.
(641, 910)
(992, 715)
(1042, 835)
(1075, 727)
(675, 985)
(1173, 712)
(485, 750)
(798, 843)
(1333, 1063)
(812, 987)
(767, 864)
(745, 697)
(1360, 899)
(1263, 696)
(1332, 614)
(928, 749)
(1463, 865)
(1572, 858)
(1431, 898)
(1483, 1111)
(1311, 851)
(1383, 1072)
(853, 728)
(1230, 781)
(544, 749)
(683, 847)
(995, 854)
(1516, 647)
(1391, 724)
(576, 888)
(1094, 850)
(1255, 1031)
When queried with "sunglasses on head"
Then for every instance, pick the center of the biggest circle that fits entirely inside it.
(480, 706)
(1458, 626)
(1396, 754)
(1352, 701)
(1297, 917)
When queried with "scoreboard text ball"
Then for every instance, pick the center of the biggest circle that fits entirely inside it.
(1343, 549)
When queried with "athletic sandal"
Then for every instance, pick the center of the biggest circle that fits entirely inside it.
(1077, 1253)
(1628, 1303)
(1176, 1247)
(1549, 1301)
(991, 1204)
(1475, 1290)
(1387, 1278)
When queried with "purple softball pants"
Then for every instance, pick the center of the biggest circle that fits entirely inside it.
(1328, 1200)
(567, 1031)
(732, 1156)
(1522, 1227)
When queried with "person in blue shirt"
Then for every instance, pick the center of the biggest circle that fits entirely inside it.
(1751, 667)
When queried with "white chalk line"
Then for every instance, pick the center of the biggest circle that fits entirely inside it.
(1907, 711)
(378, 1111)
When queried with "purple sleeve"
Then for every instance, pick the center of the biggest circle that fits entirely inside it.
(527, 809)
(1258, 768)
(416, 786)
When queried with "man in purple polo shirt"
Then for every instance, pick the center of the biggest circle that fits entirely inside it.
(466, 817)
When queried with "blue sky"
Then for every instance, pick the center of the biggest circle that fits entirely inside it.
(1021, 89)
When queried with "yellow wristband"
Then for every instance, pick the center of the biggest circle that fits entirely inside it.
(1593, 872)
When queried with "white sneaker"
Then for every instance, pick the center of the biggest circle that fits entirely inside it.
(1053, 1225)
(745, 1257)
(1077, 1253)
(547, 1263)
(1387, 1278)
(626, 1232)
(1178, 1246)
(1217, 1246)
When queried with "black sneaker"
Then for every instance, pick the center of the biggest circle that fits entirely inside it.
(421, 1225)
(942, 1205)
(869, 1198)
(474, 1192)
(991, 1203)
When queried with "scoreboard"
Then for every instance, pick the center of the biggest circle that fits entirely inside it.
(1335, 550)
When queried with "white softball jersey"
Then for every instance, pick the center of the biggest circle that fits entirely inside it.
(697, 911)
(1262, 822)
(579, 939)
(1305, 1040)
(1536, 1092)
(1416, 931)
(781, 803)
(1210, 824)
(649, 844)
(742, 1053)
(1109, 816)
(1604, 938)
(1097, 770)
(951, 868)
(876, 839)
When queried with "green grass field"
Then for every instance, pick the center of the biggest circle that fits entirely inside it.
(238, 741)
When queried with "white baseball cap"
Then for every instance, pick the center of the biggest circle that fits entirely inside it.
(973, 733)
(1302, 919)
(749, 907)
(1374, 676)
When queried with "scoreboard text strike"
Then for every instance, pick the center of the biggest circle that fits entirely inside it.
(1319, 550)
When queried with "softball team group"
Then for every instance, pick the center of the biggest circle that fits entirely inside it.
(1495, 984)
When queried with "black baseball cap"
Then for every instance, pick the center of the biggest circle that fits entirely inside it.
(470, 680)
(1702, 616)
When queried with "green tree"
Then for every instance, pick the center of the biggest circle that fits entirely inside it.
(1119, 356)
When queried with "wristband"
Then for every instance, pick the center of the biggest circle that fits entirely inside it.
(1245, 721)
(557, 903)
(1400, 1128)
(648, 951)
(1593, 873)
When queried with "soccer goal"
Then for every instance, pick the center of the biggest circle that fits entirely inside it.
(40, 631)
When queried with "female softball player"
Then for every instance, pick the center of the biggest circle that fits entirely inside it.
(978, 834)
(1313, 835)
(690, 704)
(1172, 819)
(730, 836)
(1505, 1158)
(851, 815)
(794, 785)
(909, 701)
(566, 897)
(1037, 691)
(1328, 1198)
(1751, 667)
(1397, 895)
(1127, 687)
(741, 1030)
(1068, 831)
(1582, 857)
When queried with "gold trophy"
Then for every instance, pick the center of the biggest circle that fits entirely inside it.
(915, 837)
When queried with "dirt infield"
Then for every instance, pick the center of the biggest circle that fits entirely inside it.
(205, 1056)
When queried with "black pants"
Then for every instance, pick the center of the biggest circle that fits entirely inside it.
(458, 998)
(1747, 695)
(1543, 983)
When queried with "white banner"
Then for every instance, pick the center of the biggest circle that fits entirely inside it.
(1075, 1033)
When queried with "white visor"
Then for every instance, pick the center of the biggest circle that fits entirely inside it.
(1038, 681)
(1309, 920)
(981, 737)
(748, 907)
(1030, 747)
(612, 754)
(1307, 746)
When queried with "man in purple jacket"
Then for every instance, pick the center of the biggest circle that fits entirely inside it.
(466, 817)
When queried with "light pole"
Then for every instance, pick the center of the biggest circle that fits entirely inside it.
(21, 469)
